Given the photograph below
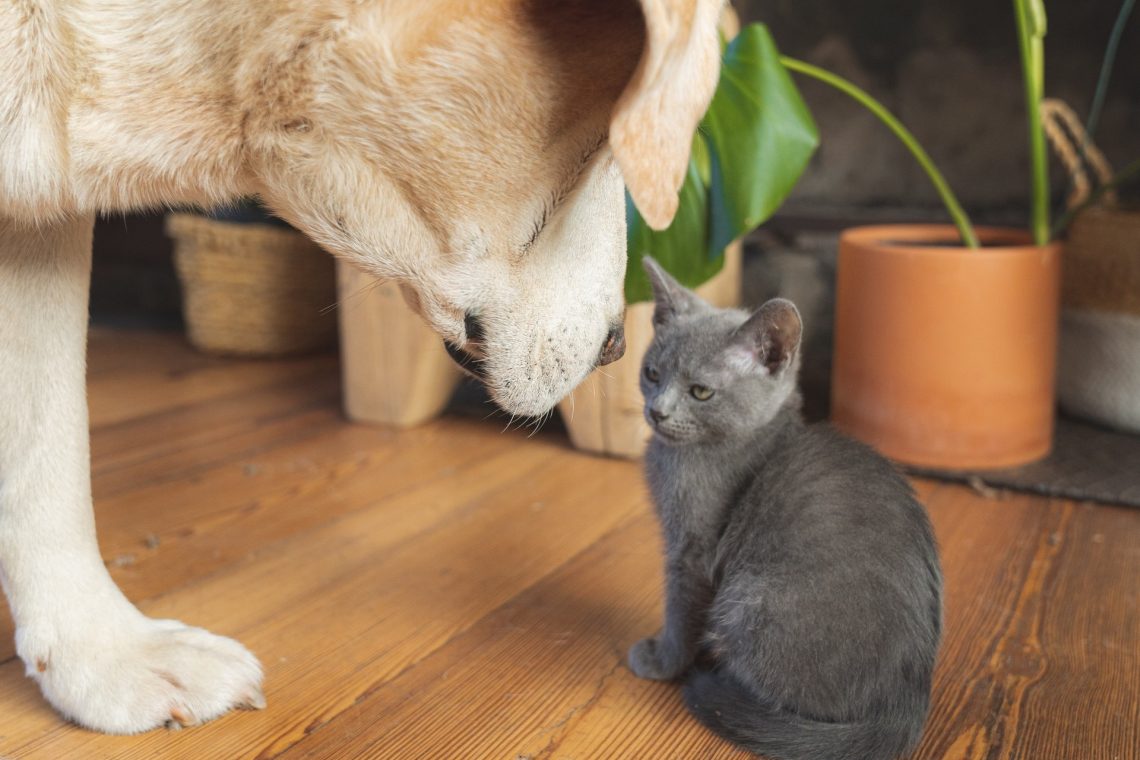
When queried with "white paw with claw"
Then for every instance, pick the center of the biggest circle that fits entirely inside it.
(137, 674)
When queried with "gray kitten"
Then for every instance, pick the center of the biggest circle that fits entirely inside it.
(803, 594)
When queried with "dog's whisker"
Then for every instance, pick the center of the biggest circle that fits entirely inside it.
(354, 296)
(540, 421)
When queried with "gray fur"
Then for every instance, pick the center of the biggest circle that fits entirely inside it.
(803, 590)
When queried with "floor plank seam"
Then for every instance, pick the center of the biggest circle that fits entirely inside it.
(205, 468)
(599, 688)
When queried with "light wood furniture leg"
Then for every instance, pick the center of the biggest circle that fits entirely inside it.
(394, 370)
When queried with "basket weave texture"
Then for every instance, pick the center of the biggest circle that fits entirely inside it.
(1098, 371)
(1102, 261)
(252, 289)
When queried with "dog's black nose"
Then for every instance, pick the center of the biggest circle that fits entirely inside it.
(614, 347)
(657, 415)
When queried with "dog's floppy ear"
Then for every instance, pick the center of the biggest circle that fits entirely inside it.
(652, 127)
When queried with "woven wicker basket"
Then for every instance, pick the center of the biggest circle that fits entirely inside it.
(1098, 372)
(252, 289)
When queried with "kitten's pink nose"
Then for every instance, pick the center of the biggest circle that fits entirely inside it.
(614, 347)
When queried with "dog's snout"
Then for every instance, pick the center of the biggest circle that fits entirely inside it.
(614, 347)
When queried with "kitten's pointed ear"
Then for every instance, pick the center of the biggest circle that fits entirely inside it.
(771, 336)
(670, 297)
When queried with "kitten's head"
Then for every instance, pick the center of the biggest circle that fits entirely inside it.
(711, 374)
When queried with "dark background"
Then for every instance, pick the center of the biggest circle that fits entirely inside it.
(951, 71)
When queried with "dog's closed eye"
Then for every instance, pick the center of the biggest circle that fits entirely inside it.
(551, 205)
(539, 225)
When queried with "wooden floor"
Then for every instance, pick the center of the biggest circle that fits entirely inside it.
(459, 592)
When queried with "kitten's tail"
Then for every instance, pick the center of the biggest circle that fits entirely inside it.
(730, 709)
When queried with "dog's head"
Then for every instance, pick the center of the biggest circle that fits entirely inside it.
(475, 151)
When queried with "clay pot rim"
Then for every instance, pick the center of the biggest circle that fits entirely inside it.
(931, 239)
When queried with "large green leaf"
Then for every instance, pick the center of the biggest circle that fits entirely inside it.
(680, 247)
(761, 137)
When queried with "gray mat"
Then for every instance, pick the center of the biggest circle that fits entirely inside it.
(1088, 463)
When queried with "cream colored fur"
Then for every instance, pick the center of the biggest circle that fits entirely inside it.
(424, 140)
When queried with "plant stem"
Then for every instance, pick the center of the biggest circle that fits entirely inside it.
(1106, 66)
(1031, 39)
(961, 220)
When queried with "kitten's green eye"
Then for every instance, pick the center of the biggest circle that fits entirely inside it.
(651, 375)
(701, 393)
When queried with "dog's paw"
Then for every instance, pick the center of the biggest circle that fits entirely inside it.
(142, 675)
(648, 660)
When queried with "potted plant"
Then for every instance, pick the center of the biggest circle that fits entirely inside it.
(945, 354)
(946, 336)
(752, 146)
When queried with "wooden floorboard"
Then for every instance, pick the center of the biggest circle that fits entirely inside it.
(456, 591)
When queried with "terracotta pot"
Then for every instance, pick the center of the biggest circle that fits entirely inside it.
(945, 357)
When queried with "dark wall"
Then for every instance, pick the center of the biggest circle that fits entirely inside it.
(951, 72)
(132, 277)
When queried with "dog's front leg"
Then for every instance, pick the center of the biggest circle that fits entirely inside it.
(98, 660)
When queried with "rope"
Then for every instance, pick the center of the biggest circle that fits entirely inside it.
(1065, 134)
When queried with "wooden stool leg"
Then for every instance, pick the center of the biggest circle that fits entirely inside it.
(394, 369)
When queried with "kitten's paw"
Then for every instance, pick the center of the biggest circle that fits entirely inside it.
(647, 660)
(142, 674)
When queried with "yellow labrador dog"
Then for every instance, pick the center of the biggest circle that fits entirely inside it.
(473, 150)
